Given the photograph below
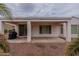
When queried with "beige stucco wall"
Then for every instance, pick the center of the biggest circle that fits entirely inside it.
(74, 21)
(55, 29)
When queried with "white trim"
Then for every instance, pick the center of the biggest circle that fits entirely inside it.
(35, 20)
(10, 24)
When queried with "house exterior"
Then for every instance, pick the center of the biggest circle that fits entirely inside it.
(66, 27)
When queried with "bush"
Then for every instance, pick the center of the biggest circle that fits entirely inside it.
(72, 48)
(3, 44)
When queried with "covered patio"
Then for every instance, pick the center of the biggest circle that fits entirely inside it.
(31, 32)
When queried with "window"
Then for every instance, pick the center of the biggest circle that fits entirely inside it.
(78, 29)
(74, 29)
(61, 29)
(45, 29)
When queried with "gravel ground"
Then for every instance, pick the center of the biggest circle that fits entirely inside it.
(37, 49)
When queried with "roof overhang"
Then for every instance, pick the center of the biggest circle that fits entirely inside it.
(39, 19)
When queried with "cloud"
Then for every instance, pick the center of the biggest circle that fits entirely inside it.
(28, 7)
(44, 9)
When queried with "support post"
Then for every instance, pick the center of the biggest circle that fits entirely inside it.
(1, 27)
(68, 31)
(64, 29)
(28, 31)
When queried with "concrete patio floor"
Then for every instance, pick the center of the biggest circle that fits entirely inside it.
(38, 40)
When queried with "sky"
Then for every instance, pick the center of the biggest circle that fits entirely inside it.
(44, 9)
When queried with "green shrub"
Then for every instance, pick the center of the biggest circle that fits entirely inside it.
(4, 45)
(72, 48)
